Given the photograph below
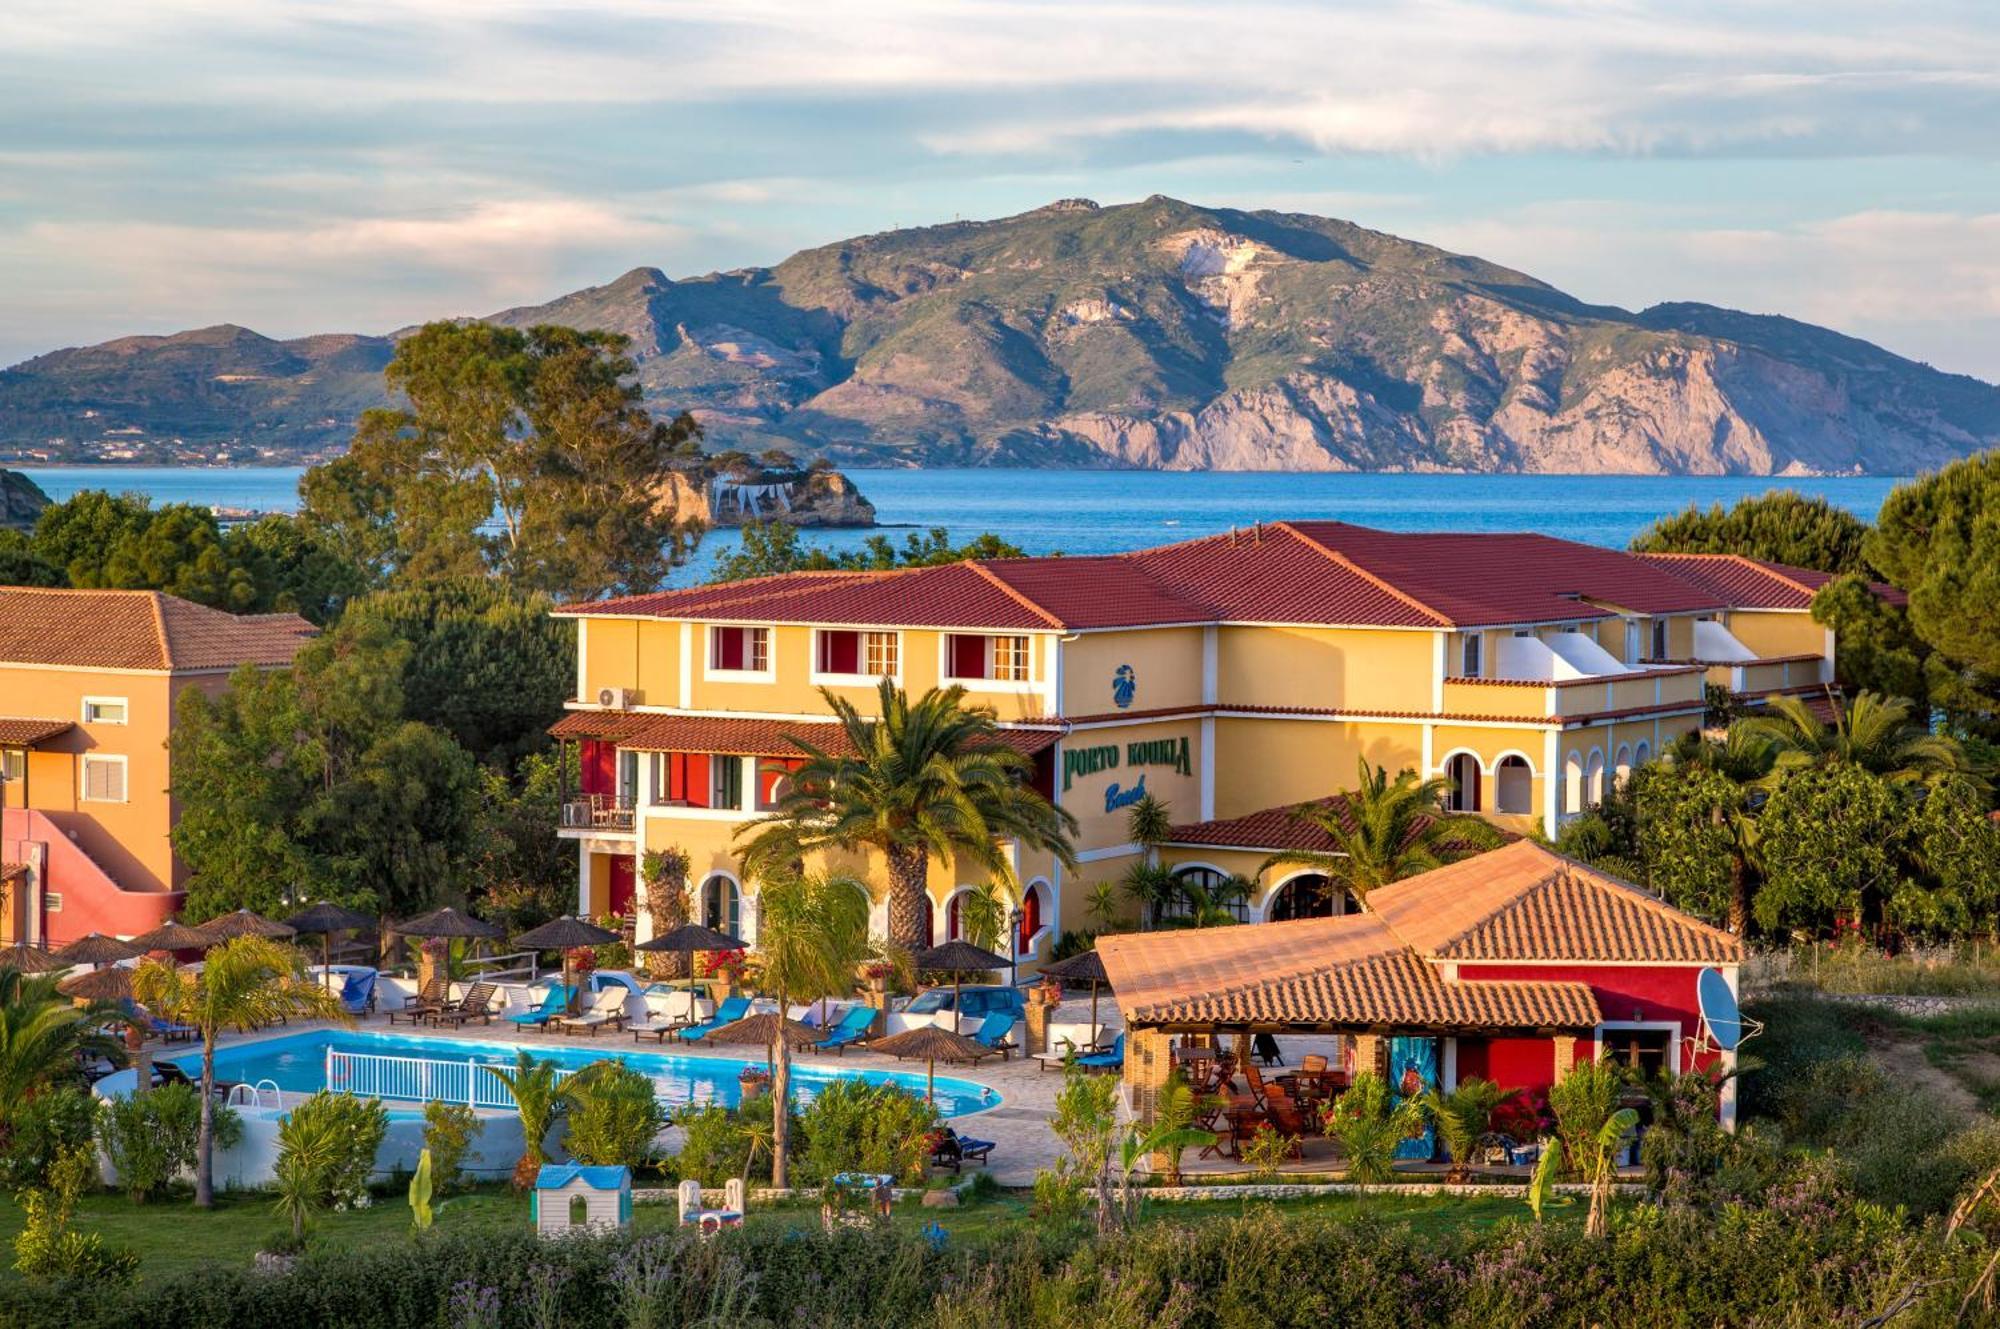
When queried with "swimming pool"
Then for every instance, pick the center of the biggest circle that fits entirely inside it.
(297, 1064)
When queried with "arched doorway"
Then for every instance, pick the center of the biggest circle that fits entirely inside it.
(722, 904)
(1462, 769)
(1034, 910)
(1308, 895)
(1514, 785)
(1572, 785)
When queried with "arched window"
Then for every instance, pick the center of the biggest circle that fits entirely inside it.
(1514, 785)
(579, 1211)
(1217, 887)
(1621, 770)
(954, 921)
(1593, 779)
(930, 921)
(1034, 908)
(1572, 800)
(1642, 753)
(1308, 895)
(722, 904)
(1462, 769)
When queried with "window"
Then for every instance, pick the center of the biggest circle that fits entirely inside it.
(1002, 659)
(1471, 656)
(774, 780)
(838, 651)
(721, 904)
(1204, 896)
(103, 779)
(739, 650)
(1514, 785)
(881, 654)
(1659, 639)
(1462, 769)
(681, 779)
(1032, 912)
(628, 778)
(13, 764)
(725, 782)
(104, 710)
(1643, 1050)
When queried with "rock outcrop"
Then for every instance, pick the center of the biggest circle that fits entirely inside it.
(21, 501)
(815, 498)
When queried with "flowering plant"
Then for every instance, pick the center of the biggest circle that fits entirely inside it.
(718, 964)
(583, 959)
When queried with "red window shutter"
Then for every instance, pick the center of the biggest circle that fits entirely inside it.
(728, 648)
(968, 657)
(597, 763)
(840, 652)
(698, 791)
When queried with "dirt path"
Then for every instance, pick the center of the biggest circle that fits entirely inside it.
(1902, 1059)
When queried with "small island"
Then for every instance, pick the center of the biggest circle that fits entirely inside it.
(731, 488)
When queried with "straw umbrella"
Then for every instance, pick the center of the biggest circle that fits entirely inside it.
(26, 959)
(933, 1045)
(113, 984)
(565, 934)
(326, 919)
(172, 936)
(689, 938)
(446, 924)
(959, 958)
(98, 949)
(1088, 966)
(244, 923)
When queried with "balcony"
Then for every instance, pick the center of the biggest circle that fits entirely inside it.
(598, 812)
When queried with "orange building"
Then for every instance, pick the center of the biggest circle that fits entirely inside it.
(89, 683)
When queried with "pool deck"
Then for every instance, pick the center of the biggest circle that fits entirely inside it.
(1018, 1126)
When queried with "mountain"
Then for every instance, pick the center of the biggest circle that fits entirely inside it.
(1153, 334)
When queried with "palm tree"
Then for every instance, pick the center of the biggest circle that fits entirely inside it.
(812, 935)
(928, 779)
(1384, 830)
(1461, 1116)
(540, 1096)
(666, 873)
(41, 1033)
(243, 983)
(1873, 732)
(1742, 760)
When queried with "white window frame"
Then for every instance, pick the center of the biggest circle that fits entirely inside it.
(1660, 638)
(1028, 684)
(1672, 1029)
(1472, 655)
(861, 677)
(108, 759)
(122, 703)
(13, 764)
(709, 670)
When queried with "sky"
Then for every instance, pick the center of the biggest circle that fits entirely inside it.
(302, 166)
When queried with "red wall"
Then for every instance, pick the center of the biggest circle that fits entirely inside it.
(1624, 992)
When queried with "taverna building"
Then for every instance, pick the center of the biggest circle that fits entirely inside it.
(1231, 678)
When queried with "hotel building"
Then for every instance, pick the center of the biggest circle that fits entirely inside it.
(1231, 678)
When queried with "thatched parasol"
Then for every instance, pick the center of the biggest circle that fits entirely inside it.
(244, 923)
(959, 958)
(933, 1045)
(448, 922)
(689, 938)
(172, 936)
(97, 949)
(762, 1029)
(26, 959)
(326, 919)
(113, 984)
(1086, 967)
(563, 934)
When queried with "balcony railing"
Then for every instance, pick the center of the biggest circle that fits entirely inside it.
(597, 812)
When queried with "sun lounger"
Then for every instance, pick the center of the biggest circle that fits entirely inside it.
(993, 1032)
(853, 1028)
(357, 992)
(166, 1030)
(657, 1028)
(954, 1151)
(728, 1013)
(551, 1007)
(476, 1004)
(608, 1009)
(425, 1003)
(1113, 1060)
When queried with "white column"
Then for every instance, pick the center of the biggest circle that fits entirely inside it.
(687, 666)
(1728, 1103)
(1448, 1072)
(1211, 654)
(582, 879)
(1439, 651)
(1207, 776)
(1552, 783)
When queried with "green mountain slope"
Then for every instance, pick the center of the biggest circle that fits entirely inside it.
(1155, 334)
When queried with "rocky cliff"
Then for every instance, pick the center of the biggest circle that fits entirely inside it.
(812, 498)
(1156, 334)
(21, 501)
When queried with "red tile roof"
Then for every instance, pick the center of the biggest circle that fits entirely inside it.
(1752, 583)
(1273, 830)
(146, 630)
(24, 732)
(739, 737)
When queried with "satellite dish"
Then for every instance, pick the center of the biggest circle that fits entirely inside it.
(1720, 1013)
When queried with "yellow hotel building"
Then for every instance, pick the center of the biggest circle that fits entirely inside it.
(1231, 678)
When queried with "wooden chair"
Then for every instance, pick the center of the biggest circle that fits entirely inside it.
(1252, 1078)
(476, 1004)
(426, 1003)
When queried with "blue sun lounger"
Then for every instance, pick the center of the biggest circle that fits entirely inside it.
(729, 1012)
(995, 1032)
(552, 1005)
(1112, 1059)
(853, 1027)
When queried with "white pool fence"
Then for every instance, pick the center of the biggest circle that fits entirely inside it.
(421, 1079)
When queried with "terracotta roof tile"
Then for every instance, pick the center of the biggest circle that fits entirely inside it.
(1524, 903)
(138, 630)
(24, 732)
(1270, 829)
(1754, 583)
(738, 737)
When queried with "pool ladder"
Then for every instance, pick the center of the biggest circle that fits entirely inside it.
(248, 1095)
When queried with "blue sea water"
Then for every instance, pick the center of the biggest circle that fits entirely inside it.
(1095, 512)
(296, 1063)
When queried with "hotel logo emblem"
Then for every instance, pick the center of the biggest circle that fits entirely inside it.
(1124, 684)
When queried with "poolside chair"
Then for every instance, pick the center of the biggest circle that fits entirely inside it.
(728, 1013)
(608, 1009)
(1112, 1060)
(167, 1031)
(853, 1028)
(952, 1150)
(657, 1028)
(552, 1006)
(477, 1004)
(357, 992)
(427, 1002)
(993, 1032)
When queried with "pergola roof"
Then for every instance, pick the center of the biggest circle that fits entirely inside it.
(19, 731)
(740, 736)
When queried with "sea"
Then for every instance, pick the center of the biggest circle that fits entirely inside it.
(1099, 512)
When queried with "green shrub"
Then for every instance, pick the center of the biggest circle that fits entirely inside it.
(615, 1116)
(152, 1138)
(1583, 1102)
(1369, 1128)
(47, 1126)
(449, 1130)
(338, 1136)
(47, 1247)
(854, 1126)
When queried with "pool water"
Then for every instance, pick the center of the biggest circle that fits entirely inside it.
(297, 1064)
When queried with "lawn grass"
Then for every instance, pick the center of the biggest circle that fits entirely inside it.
(172, 1237)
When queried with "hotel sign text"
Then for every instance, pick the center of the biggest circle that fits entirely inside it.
(1172, 753)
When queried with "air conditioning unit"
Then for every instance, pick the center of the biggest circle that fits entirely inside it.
(617, 699)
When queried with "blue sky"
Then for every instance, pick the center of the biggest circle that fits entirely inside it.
(355, 165)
